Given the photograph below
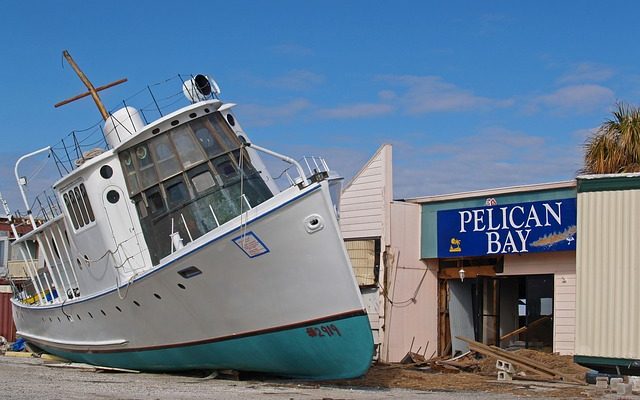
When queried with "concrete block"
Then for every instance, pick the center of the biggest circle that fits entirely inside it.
(504, 376)
(614, 382)
(505, 366)
(602, 382)
(635, 383)
(624, 388)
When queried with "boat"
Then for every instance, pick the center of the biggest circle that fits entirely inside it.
(172, 248)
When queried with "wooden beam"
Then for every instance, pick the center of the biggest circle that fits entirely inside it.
(85, 94)
(523, 362)
(524, 328)
(88, 84)
(469, 272)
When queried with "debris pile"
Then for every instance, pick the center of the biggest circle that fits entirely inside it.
(532, 372)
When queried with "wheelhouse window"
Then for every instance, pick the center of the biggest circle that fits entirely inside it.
(190, 180)
(165, 157)
(78, 206)
(190, 153)
(148, 173)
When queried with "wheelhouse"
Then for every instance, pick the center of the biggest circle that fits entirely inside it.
(188, 180)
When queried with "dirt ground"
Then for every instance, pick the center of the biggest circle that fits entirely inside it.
(483, 380)
(393, 381)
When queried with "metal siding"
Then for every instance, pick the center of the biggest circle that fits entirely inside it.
(7, 328)
(608, 286)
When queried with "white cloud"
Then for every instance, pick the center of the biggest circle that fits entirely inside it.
(492, 158)
(587, 72)
(426, 94)
(261, 115)
(575, 98)
(356, 111)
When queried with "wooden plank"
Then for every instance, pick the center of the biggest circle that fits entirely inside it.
(524, 366)
(524, 363)
(91, 367)
(469, 272)
(537, 365)
(524, 328)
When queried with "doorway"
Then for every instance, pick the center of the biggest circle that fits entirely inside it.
(504, 311)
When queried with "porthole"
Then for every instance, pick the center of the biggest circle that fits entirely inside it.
(157, 296)
(113, 196)
(232, 121)
(136, 303)
(313, 223)
(181, 286)
(193, 115)
(91, 315)
(118, 308)
(206, 110)
(79, 319)
(106, 172)
(156, 131)
(103, 313)
(175, 122)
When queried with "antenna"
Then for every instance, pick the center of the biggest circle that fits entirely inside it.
(93, 92)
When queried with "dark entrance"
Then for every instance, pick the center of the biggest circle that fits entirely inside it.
(505, 311)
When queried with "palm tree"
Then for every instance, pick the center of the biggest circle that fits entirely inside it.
(615, 146)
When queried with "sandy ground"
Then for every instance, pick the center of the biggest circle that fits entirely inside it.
(35, 378)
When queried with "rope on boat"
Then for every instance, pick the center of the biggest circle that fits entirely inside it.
(243, 218)
(116, 267)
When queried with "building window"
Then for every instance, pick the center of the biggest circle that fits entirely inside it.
(365, 259)
(78, 206)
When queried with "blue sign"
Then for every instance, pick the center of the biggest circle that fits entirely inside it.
(508, 229)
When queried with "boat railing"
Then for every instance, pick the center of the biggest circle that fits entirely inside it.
(152, 102)
(312, 168)
(300, 179)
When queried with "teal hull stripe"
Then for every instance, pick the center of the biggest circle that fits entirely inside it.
(331, 350)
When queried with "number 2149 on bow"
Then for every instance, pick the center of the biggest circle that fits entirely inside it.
(323, 331)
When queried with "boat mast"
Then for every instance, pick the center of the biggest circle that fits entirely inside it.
(93, 92)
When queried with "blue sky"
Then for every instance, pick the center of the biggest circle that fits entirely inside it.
(472, 94)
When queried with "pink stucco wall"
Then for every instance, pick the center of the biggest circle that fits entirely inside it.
(411, 301)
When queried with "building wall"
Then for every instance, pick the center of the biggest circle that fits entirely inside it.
(411, 306)
(563, 267)
(608, 296)
(7, 327)
(364, 201)
(364, 214)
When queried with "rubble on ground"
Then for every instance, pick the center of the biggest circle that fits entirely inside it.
(474, 371)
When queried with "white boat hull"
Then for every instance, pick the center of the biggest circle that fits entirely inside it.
(239, 310)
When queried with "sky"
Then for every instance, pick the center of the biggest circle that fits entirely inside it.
(471, 94)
